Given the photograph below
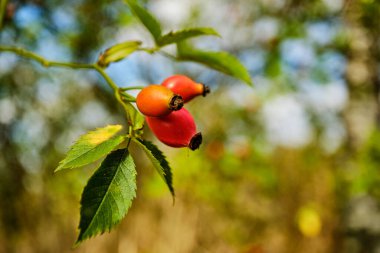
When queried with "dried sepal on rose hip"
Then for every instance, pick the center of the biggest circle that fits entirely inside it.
(156, 101)
(176, 129)
(185, 87)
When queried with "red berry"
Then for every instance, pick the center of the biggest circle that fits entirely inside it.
(157, 100)
(177, 129)
(185, 87)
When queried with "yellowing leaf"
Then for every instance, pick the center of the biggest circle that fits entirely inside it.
(92, 146)
(102, 134)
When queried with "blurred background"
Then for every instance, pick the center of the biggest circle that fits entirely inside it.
(290, 165)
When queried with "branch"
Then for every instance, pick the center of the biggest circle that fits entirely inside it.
(44, 62)
(130, 110)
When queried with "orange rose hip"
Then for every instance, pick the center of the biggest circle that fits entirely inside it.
(157, 101)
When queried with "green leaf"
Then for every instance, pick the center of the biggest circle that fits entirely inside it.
(146, 18)
(139, 121)
(118, 52)
(92, 146)
(158, 161)
(220, 61)
(135, 118)
(177, 36)
(107, 195)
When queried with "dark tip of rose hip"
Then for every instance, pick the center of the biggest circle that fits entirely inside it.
(176, 103)
(206, 90)
(196, 141)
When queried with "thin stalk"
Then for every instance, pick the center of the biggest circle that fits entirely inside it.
(127, 97)
(44, 62)
(168, 55)
(130, 110)
(132, 88)
(108, 79)
(130, 135)
(149, 50)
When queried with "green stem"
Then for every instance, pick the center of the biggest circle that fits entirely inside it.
(30, 55)
(3, 7)
(168, 55)
(157, 49)
(115, 89)
(149, 50)
(108, 79)
(130, 110)
(127, 97)
(132, 88)
(130, 130)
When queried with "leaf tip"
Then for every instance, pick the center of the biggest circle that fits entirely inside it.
(76, 244)
(249, 82)
(215, 33)
(79, 240)
(117, 127)
(173, 197)
(60, 167)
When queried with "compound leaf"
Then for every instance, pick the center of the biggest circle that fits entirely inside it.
(92, 146)
(108, 195)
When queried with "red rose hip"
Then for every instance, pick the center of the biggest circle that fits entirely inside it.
(177, 129)
(185, 87)
(157, 101)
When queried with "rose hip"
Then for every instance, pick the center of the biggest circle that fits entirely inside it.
(176, 129)
(185, 87)
(157, 100)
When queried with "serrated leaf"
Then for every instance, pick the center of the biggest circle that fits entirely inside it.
(108, 195)
(118, 52)
(159, 162)
(146, 18)
(220, 61)
(177, 36)
(92, 146)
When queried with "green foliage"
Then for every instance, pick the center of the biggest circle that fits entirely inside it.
(107, 195)
(92, 146)
(221, 61)
(154, 27)
(146, 18)
(178, 36)
(109, 192)
(238, 179)
(139, 122)
(159, 162)
(118, 52)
